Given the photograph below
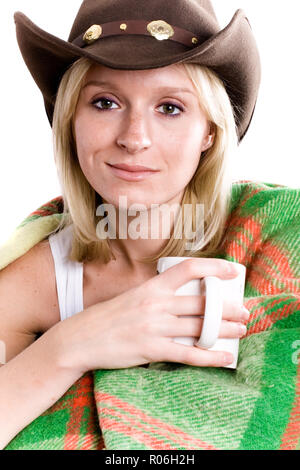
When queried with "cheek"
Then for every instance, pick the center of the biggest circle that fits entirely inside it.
(85, 146)
(87, 136)
(83, 137)
(184, 146)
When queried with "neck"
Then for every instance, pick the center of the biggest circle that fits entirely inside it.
(141, 235)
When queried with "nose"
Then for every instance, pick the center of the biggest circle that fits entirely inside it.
(134, 136)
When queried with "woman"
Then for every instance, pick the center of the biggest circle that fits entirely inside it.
(174, 96)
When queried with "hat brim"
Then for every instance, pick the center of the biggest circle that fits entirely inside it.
(232, 53)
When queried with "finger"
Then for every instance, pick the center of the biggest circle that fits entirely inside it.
(195, 305)
(196, 268)
(231, 329)
(192, 327)
(185, 304)
(234, 311)
(195, 356)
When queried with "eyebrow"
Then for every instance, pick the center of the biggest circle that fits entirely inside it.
(159, 89)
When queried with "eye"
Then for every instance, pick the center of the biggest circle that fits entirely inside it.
(106, 103)
(169, 107)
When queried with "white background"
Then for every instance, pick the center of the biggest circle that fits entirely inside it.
(268, 153)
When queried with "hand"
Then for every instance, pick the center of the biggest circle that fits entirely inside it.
(138, 326)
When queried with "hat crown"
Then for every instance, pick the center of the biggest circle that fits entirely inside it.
(197, 16)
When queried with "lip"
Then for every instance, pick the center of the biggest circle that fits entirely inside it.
(133, 175)
(124, 166)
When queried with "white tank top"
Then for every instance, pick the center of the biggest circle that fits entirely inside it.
(69, 274)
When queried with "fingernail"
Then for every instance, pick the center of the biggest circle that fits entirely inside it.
(233, 267)
(242, 329)
(228, 358)
(246, 313)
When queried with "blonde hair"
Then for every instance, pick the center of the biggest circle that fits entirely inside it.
(210, 185)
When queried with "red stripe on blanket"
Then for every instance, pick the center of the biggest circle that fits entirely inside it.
(43, 210)
(104, 397)
(93, 440)
(291, 437)
(257, 309)
(243, 239)
(235, 248)
(83, 386)
(145, 428)
(89, 443)
(41, 213)
(265, 279)
(73, 428)
(236, 213)
(269, 319)
(279, 259)
(80, 397)
(150, 441)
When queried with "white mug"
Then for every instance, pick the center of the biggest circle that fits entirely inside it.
(215, 290)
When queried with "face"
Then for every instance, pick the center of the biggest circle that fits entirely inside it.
(150, 118)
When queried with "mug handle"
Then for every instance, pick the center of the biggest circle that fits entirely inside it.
(213, 313)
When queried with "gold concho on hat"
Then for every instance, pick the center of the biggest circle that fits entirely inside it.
(92, 34)
(160, 29)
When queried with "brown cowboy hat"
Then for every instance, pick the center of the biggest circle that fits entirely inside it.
(146, 34)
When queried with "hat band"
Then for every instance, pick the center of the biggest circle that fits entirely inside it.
(159, 29)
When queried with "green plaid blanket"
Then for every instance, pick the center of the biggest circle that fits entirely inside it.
(175, 406)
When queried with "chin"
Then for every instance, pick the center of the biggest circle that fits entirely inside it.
(124, 201)
(134, 204)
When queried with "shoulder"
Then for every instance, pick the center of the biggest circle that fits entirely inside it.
(28, 286)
